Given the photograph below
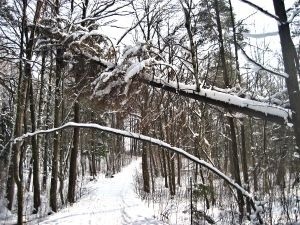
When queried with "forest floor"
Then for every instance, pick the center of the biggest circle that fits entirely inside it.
(107, 201)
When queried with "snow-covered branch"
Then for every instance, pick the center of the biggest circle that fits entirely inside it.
(125, 73)
(141, 137)
(226, 100)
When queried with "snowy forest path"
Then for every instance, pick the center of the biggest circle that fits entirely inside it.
(109, 201)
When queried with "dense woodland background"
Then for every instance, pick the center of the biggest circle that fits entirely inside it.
(68, 60)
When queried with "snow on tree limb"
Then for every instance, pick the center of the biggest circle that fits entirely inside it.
(145, 138)
(249, 107)
(219, 97)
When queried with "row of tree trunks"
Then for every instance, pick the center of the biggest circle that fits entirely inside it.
(24, 88)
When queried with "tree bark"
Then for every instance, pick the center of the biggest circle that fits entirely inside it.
(145, 169)
(235, 166)
(35, 153)
(54, 172)
(47, 136)
(245, 164)
(235, 169)
(290, 60)
(74, 154)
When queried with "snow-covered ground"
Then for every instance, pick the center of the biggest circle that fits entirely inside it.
(108, 201)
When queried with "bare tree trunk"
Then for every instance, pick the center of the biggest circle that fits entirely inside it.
(165, 168)
(242, 131)
(35, 153)
(173, 179)
(234, 150)
(193, 48)
(28, 73)
(47, 136)
(54, 172)
(245, 164)
(221, 44)
(235, 166)
(178, 170)
(290, 61)
(27, 186)
(93, 158)
(152, 166)
(63, 152)
(74, 154)
(146, 176)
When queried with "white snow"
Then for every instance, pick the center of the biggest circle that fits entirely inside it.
(108, 201)
(296, 155)
(4, 212)
(131, 50)
(91, 33)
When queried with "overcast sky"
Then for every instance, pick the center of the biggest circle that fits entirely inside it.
(260, 23)
(260, 20)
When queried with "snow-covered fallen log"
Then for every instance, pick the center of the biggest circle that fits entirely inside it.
(229, 101)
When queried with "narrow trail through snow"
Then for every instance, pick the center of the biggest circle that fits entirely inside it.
(110, 201)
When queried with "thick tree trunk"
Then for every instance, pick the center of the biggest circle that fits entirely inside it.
(245, 164)
(35, 153)
(93, 157)
(47, 136)
(173, 178)
(221, 44)
(165, 169)
(63, 149)
(74, 154)
(55, 153)
(290, 61)
(10, 186)
(193, 48)
(152, 172)
(178, 170)
(145, 169)
(235, 166)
